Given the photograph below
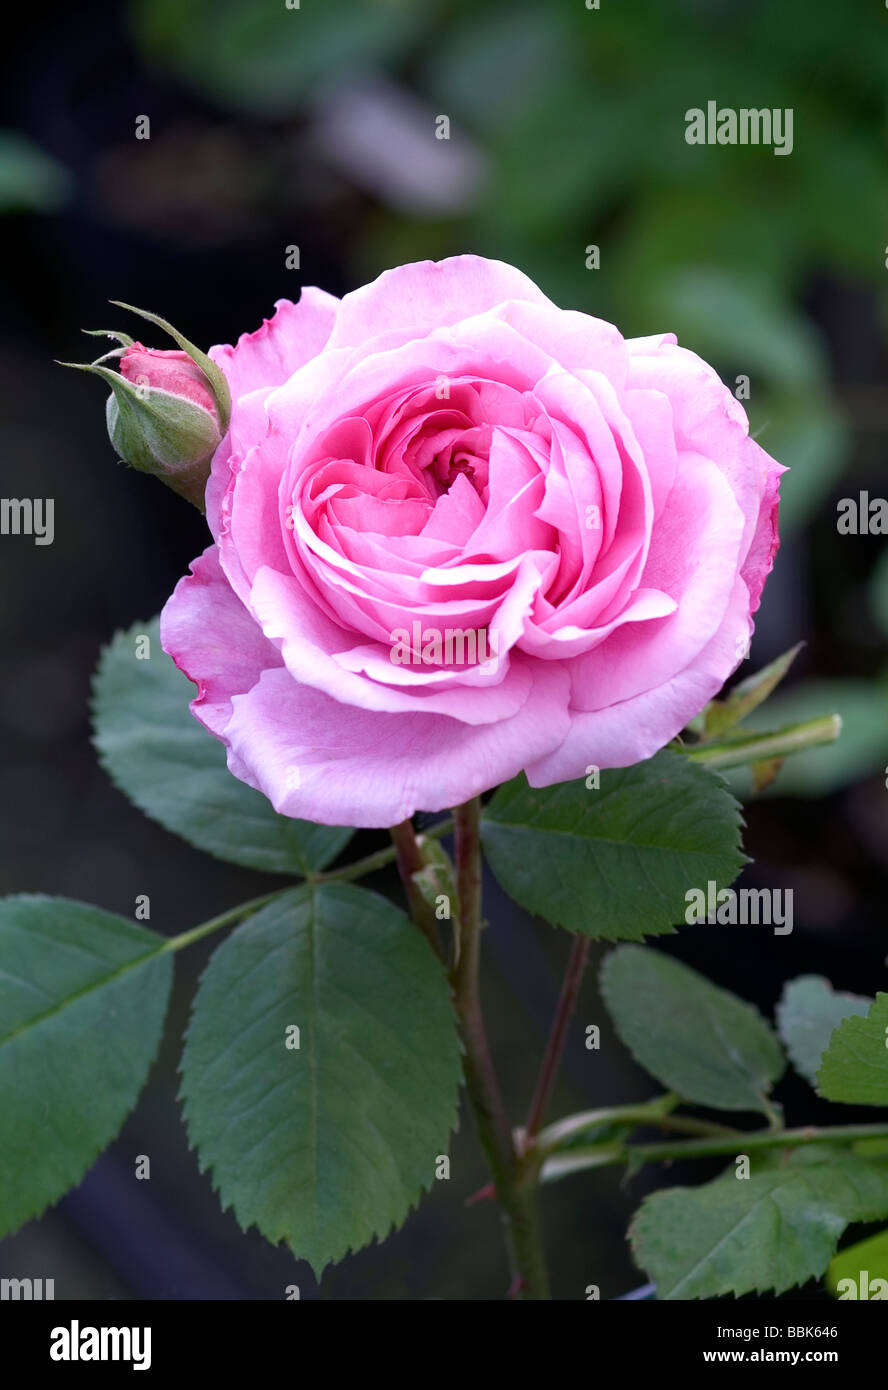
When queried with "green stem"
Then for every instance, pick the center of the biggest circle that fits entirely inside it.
(773, 1114)
(686, 1124)
(225, 919)
(742, 1141)
(515, 1188)
(606, 1154)
(344, 875)
(655, 1113)
(708, 1138)
(371, 862)
(754, 748)
(410, 862)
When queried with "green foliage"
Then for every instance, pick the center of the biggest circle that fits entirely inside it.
(589, 107)
(616, 861)
(699, 1040)
(268, 59)
(605, 1145)
(807, 1014)
(595, 1138)
(30, 179)
(855, 1065)
(862, 749)
(870, 1256)
(328, 1144)
(747, 695)
(167, 764)
(83, 995)
(774, 1229)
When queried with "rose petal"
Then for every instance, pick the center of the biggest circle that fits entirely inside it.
(317, 759)
(293, 335)
(632, 730)
(214, 640)
(428, 294)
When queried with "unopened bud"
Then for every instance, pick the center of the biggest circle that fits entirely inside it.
(168, 409)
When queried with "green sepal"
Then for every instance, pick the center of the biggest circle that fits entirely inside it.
(214, 374)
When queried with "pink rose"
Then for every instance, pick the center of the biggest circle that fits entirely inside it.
(445, 451)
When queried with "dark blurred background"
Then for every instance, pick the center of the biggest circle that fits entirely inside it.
(273, 128)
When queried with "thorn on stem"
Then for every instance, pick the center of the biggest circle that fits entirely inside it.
(484, 1194)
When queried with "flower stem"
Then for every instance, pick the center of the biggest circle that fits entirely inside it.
(225, 919)
(551, 1160)
(753, 747)
(741, 1141)
(515, 1189)
(579, 954)
(410, 862)
(378, 860)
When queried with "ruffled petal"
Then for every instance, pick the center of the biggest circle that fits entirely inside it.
(293, 335)
(632, 730)
(320, 760)
(214, 640)
(417, 298)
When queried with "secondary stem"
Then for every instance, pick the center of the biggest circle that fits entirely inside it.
(743, 1140)
(378, 860)
(358, 869)
(604, 1155)
(225, 919)
(515, 1189)
(570, 989)
(751, 748)
(656, 1113)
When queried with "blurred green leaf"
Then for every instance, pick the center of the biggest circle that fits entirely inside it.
(700, 1041)
(866, 1259)
(489, 67)
(30, 179)
(808, 1012)
(267, 59)
(809, 436)
(862, 749)
(733, 318)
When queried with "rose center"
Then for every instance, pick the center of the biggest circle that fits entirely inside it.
(447, 470)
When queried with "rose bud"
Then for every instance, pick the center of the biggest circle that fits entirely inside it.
(165, 420)
(168, 410)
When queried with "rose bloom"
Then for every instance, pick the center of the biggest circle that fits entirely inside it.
(445, 451)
